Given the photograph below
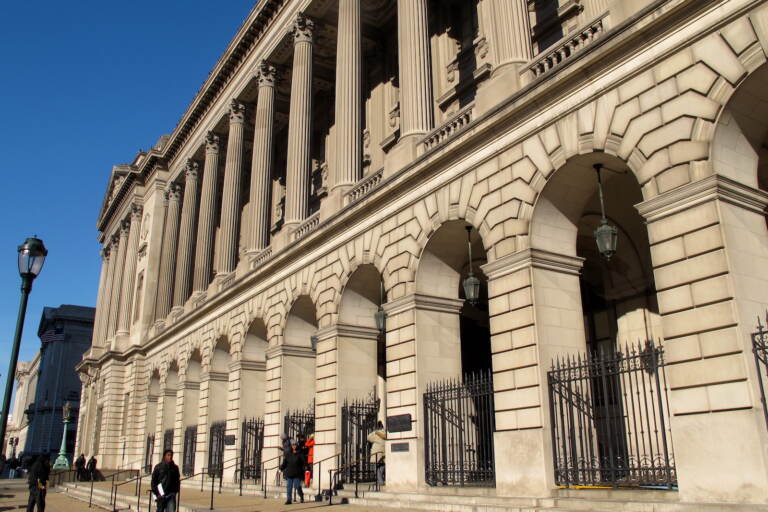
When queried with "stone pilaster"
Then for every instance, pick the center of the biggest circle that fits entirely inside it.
(349, 70)
(100, 307)
(261, 168)
(186, 236)
(109, 300)
(416, 103)
(299, 124)
(119, 276)
(129, 276)
(170, 241)
(206, 229)
(230, 200)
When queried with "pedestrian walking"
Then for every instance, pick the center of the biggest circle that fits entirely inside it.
(80, 467)
(38, 483)
(166, 483)
(13, 467)
(293, 467)
(91, 468)
(376, 438)
(310, 448)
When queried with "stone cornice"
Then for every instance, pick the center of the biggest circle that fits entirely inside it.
(217, 376)
(347, 331)
(711, 188)
(424, 303)
(290, 350)
(248, 365)
(533, 258)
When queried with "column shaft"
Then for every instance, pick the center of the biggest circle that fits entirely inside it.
(206, 229)
(118, 248)
(186, 237)
(299, 124)
(416, 105)
(100, 308)
(261, 168)
(230, 204)
(512, 33)
(349, 69)
(129, 276)
(168, 256)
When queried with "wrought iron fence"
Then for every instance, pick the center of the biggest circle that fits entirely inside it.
(300, 422)
(251, 444)
(458, 431)
(190, 446)
(760, 351)
(358, 419)
(168, 439)
(610, 419)
(216, 448)
(150, 448)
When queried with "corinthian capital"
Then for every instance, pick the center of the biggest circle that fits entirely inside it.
(303, 28)
(190, 169)
(267, 74)
(173, 193)
(136, 210)
(236, 112)
(125, 227)
(211, 142)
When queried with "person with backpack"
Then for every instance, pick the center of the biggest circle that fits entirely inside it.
(293, 467)
(38, 483)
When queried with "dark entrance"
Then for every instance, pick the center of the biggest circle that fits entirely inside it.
(458, 431)
(190, 444)
(216, 448)
(150, 448)
(168, 439)
(252, 439)
(358, 419)
(300, 422)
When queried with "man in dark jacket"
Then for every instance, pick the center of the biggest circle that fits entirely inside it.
(166, 483)
(91, 468)
(293, 467)
(38, 482)
(80, 467)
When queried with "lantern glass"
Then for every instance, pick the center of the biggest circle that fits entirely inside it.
(32, 255)
(381, 319)
(313, 342)
(472, 289)
(607, 238)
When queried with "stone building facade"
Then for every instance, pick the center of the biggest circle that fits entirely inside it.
(342, 160)
(23, 396)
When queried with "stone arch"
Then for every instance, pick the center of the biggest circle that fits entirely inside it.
(220, 355)
(301, 322)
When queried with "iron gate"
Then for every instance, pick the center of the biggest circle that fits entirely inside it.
(216, 448)
(760, 350)
(168, 439)
(252, 442)
(190, 446)
(609, 415)
(458, 431)
(150, 448)
(358, 419)
(300, 422)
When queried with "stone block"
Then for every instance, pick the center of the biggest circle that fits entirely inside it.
(668, 252)
(673, 65)
(682, 222)
(721, 341)
(705, 372)
(713, 316)
(713, 51)
(637, 85)
(690, 103)
(679, 129)
(691, 269)
(682, 349)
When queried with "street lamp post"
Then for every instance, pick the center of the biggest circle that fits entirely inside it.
(32, 255)
(62, 462)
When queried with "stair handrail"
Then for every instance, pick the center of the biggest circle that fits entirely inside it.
(339, 469)
(264, 470)
(319, 463)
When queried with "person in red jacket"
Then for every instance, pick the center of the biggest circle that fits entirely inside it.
(309, 445)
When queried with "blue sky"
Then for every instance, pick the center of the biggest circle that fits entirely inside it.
(83, 86)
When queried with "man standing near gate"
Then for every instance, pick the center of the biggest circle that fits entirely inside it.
(376, 438)
(166, 483)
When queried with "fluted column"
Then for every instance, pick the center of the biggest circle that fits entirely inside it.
(261, 168)
(101, 309)
(113, 246)
(114, 302)
(416, 105)
(230, 197)
(349, 70)
(299, 124)
(206, 229)
(186, 236)
(129, 275)
(168, 254)
(511, 32)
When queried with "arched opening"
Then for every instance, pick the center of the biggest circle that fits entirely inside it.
(218, 377)
(150, 419)
(298, 364)
(191, 411)
(460, 331)
(253, 367)
(169, 405)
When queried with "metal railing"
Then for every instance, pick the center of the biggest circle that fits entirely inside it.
(609, 414)
(760, 351)
(334, 475)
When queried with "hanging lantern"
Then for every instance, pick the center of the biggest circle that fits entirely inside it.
(381, 319)
(606, 235)
(471, 283)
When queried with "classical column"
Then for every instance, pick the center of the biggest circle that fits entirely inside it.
(299, 123)
(349, 71)
(114, 294)
(416, 105)
(100, 308)
(230, 197)
(511, 32)
(261, 168)
(168, 256)
(186, 236)
(129, 276)
(206, 229)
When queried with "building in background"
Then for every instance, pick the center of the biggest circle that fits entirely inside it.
(530, 235)
(50, 380)
(24, 395)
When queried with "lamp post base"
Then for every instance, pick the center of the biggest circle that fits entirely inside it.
(62, 462)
